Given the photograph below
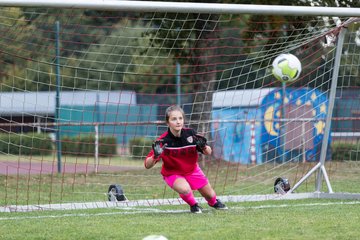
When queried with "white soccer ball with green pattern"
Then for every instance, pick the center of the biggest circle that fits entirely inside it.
(155, 237)
(286, 67)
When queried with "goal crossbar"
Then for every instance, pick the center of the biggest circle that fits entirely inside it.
(212, 8)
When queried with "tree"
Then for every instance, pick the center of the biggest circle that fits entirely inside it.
(31, 57)
(281, 30)
(189, 48)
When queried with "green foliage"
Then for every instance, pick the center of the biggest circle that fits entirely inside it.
(143, 69)
(84, 145)
(90, 43)
(101, 62)
(37, 43)
(140, 147)
(179, 37)
(26, 144)
(41, 144)
(342, 151)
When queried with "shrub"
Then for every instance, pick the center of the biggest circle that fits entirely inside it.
(139, 147)
(84, 145)
(26, 144)
(342, 151)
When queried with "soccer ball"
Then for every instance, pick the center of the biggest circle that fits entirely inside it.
(154, 237)
(286, 67)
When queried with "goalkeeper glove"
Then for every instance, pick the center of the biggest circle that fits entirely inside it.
(158, 149)
(200, 142)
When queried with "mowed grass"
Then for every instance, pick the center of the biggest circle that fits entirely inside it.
(295, 219)
(282, 219)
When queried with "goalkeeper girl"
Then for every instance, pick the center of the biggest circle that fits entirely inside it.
(178, 148)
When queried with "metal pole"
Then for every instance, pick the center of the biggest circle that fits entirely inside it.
(96, 164)
(321, 165)
(332, 96)
(57, 102)
(178, 84)
(283, 123)
(186, 7)
(303, 142)
(39, 124)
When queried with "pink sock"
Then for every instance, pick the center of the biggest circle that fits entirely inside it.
(188, 198)
(212, 200)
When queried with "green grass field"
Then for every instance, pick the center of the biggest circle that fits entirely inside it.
(281, 219)
(300, 219)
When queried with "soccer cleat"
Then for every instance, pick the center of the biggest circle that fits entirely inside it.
(195, 208)
(219, 205)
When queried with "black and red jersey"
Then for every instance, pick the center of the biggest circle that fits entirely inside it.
(181, 154)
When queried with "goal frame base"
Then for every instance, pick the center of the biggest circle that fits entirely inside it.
(177, 201)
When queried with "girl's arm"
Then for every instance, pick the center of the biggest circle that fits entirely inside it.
(150, 162)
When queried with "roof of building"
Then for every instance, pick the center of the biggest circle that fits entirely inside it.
(240, 98)
(43, 103)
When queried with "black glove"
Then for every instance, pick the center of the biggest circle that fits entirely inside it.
(200, 142)
(158, 149)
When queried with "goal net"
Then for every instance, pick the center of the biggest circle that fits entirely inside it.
(84, 88)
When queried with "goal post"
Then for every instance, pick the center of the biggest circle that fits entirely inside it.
(189, 7)
(84, 86)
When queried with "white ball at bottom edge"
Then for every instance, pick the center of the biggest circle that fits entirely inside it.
(155, 237)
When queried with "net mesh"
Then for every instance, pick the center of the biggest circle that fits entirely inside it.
(83, 95)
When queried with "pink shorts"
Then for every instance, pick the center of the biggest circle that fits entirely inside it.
(196, 180)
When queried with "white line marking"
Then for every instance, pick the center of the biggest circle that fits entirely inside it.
(155, 210)
(298, 205)
(176, 201)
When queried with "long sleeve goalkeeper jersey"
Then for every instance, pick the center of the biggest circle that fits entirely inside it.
(181, 153)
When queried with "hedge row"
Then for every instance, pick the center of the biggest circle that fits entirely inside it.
(85, 146)
(42, 144)
(139, 147)
(345, 151)
(26, 144)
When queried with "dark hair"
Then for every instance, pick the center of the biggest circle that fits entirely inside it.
(173, 108)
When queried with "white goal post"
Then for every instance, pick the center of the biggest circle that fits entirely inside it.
(189, 7)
